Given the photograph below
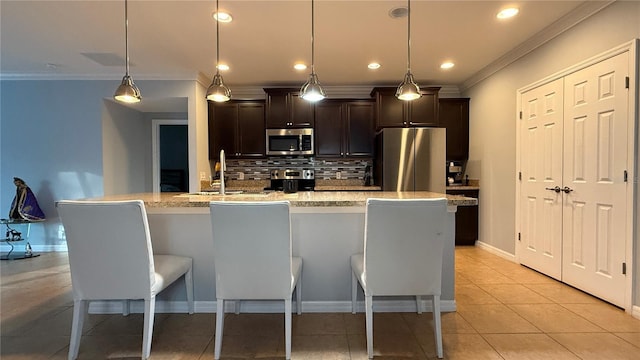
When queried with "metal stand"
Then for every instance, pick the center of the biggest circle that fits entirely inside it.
(11, 236)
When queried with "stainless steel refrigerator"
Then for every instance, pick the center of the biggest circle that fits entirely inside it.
(410, 159)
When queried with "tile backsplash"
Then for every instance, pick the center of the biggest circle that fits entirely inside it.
(259, 169)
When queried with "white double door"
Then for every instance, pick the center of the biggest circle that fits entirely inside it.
(573, 182)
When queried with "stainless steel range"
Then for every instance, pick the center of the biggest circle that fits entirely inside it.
(292, 180)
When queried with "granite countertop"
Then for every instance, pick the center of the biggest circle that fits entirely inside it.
(462, 187)
(299, 199)
(347, 188)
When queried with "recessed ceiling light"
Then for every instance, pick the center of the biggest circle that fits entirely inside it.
(447, 65)
(508, 13)
(223, 17)
(373, 66)
(300, 66)
(223, 67)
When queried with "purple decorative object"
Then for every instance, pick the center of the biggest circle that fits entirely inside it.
(24, 205)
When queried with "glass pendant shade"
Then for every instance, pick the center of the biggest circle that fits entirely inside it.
(127, 92)
(312, 90)
(218, 91)
(408, 89)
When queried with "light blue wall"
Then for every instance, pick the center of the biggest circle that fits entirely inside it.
(51, 136)
(52, 139)
(126, 150)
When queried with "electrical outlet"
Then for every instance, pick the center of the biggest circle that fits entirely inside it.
(240, 176)
(203, 175)
(338, 175)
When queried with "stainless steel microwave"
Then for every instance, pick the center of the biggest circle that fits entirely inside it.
(289, 141)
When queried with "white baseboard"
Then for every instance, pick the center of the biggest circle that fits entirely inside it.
(50, 248)
(635, 311)
(494, 250)
(19, 246)
(115, 307)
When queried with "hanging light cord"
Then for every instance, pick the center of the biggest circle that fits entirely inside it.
(312, 38)
(409, 36)
(217, 38)
(126, 36)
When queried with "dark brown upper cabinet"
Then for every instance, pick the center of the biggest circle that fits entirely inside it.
(454, 116)
(391, 112)
(285, 109)
(237, 126)
(344, 128)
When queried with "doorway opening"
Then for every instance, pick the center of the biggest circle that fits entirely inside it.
(170, 156)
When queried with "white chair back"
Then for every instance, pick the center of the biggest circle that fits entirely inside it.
(110, 253)
(403, 246)
(252, 259)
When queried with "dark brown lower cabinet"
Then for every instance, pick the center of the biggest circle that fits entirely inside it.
(466, 219)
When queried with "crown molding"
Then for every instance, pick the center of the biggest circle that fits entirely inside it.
(239, 92)
(579, 14)
(203, 79)
(94, 77)
(254, 92)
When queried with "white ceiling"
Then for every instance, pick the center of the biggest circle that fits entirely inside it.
(176, 39)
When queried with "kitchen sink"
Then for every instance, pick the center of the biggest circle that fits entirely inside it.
(232, 193)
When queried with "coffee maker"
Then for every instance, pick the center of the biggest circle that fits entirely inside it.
(454, 173)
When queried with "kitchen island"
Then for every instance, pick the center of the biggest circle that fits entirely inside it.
(327, 228)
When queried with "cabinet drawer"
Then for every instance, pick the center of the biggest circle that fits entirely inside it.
(464, 192)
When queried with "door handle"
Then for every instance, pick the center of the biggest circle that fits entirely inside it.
(567, 189)
(557, 189)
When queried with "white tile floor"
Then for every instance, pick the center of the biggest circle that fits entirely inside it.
(505, 311)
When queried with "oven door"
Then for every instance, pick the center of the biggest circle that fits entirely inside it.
(283, 144)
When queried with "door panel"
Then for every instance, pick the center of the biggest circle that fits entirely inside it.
(222, 128)
(595, 160)
(328, 130)
(541, 165)
(251, 129)
(360, 133)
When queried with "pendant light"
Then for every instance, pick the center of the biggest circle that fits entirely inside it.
(408, 89)
(218, 91)
(312, 90)
(127, 92)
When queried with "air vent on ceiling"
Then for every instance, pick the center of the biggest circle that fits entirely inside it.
(106, 59)
(398, 12)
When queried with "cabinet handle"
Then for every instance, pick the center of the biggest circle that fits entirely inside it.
(410, 122)
(341, 154)
(348, 154)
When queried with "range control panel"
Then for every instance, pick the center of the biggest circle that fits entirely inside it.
(305, 174)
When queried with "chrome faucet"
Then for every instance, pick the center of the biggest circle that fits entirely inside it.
(223, 168)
